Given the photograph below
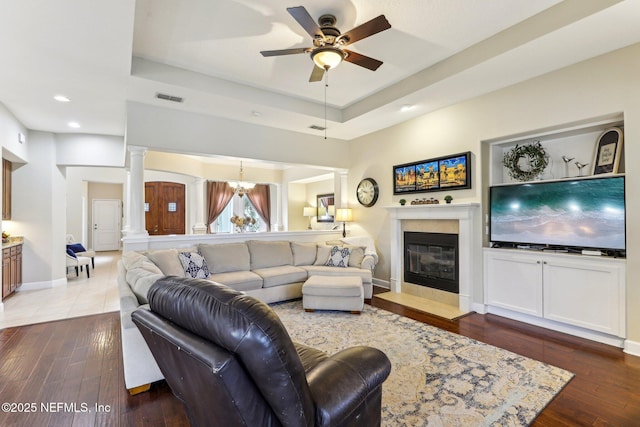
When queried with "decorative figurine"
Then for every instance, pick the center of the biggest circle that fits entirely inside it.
(566, 161)
(580, 166)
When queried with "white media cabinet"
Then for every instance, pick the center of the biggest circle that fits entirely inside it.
(581, 295)
(577, 294)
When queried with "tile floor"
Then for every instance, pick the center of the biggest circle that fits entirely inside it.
(80, 297)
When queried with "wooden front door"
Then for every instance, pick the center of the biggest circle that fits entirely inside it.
(164, 208)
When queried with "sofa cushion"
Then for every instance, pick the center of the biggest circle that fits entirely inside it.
(339, 257)
(281, 275)
(304, 253)
(226, 257)
(194, 265)
(133, 259)
(269, 254)
(167, 260)
(323, 270)
(322, 254)
(140, 280)
(357, 251)
(356, 256)
(238, 280)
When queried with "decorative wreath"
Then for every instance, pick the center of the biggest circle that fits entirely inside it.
(536, 160)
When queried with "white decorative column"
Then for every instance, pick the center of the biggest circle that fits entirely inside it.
(127, 205)
(469, 243)
(342, 197)
(136, 191)
(276, 223)
(199, 227)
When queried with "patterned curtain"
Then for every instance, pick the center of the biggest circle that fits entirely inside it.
(218, 196)
(261, 199)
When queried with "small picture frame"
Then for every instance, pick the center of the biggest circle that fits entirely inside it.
(442, 173)
(326, 207)
(608, 152)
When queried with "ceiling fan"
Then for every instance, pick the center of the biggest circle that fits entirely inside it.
(328, 43)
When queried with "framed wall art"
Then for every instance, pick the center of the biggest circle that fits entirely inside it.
(442, 173)
(326, 207)
(608, 152)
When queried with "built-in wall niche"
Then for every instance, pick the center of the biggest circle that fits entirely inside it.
(577, 142)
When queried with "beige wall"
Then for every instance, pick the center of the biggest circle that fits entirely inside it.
(599, 87)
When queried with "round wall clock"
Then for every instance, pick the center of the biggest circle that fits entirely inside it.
(367, 192)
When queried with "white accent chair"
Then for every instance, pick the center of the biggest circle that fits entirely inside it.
(78, 263)
(90, 253)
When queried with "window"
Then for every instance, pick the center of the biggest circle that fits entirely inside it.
(241, 207)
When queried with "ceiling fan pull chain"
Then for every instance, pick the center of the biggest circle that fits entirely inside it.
(326, 85)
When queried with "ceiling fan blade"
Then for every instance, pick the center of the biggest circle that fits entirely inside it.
(305, 20)
(316, 74)
(285, 51)
(362, 60)
(365, 30)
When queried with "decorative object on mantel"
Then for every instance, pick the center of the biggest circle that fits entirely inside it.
(566, 161)
(402, 202)
(241, 187)
(425, 201)
(526, 162)
(581, 166)
(608, 152)
(242, 223)
(448, 199)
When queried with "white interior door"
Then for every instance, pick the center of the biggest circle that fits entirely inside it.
(106, 224)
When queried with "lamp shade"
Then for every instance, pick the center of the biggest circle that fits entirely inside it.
(309, 211)
(344, 214)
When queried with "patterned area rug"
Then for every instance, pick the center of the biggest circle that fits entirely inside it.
(437, 378)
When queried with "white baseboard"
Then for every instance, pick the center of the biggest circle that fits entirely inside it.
(381, 283)
(632, 347)
(479, 308)
(559, 327)
(47, 284)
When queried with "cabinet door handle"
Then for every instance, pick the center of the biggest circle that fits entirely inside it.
(538, 262)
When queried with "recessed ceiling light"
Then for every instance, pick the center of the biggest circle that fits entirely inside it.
(406, 107)
(74, 125)
(256, 113)
(61, 98)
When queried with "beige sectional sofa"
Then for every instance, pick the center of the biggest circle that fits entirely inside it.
(269, 270)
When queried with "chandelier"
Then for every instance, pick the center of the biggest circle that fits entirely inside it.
(241, 187)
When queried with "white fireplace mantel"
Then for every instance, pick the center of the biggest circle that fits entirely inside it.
(469, 243)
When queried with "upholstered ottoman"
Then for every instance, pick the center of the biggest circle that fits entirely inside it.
(344, 293)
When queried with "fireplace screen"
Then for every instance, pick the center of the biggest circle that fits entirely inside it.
(431, 259)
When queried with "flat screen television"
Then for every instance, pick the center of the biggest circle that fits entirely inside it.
(572, 214)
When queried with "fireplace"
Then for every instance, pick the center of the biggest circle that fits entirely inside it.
(431, 260)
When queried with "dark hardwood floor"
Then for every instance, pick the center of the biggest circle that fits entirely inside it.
(69, 373)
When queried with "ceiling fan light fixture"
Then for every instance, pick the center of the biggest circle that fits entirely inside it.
(327, 57)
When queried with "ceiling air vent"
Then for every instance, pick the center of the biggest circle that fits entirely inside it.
(316, 127)
(169, 97)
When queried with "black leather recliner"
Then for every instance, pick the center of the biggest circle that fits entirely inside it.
(231, 362)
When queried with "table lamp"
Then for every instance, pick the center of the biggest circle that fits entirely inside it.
(345, 215)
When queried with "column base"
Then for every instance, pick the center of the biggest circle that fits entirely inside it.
(199, 229)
